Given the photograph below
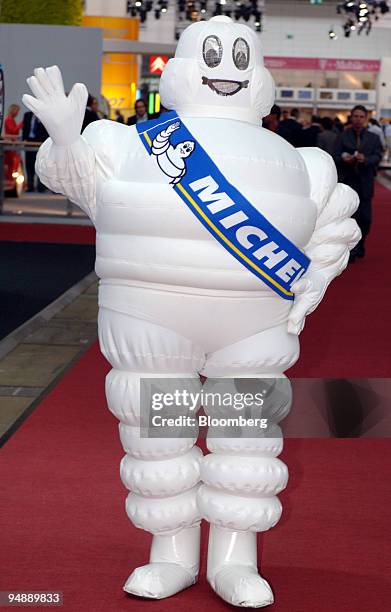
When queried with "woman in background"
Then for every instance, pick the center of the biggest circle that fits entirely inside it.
(11, 132)
(11, 128)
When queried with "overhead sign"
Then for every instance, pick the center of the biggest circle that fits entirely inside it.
(318, 63)
(157, 63)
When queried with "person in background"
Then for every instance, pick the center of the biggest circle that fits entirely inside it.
(141, 114)
(272, 121)
(375, 127)
(91, 113)
(327, 137)
(290, 128)
(119, 116)
(357, 155)
(348, 123)
(309, 135)
(11, 127)
(387, 135)
(33, 131)
(337, 125)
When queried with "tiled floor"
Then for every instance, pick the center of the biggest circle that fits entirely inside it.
(10, 410)
(38, 353)
(82, 309)
(43, 354)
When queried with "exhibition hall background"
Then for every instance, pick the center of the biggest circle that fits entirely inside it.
(295, 38)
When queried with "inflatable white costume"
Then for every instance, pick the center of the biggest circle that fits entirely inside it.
(174, 303)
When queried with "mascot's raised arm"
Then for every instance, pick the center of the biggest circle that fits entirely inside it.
(215, 239)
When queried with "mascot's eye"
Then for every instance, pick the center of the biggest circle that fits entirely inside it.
(241, 54)
(212, 50)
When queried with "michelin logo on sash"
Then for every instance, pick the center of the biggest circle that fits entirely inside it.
(239, 227)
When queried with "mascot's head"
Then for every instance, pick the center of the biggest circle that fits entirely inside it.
(218, 71)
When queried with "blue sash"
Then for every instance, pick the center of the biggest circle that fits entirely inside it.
(239, 227)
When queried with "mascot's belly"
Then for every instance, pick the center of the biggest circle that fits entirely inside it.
(159, 240)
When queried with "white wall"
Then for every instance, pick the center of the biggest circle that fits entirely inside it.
(310, 39)
(110, 8)
(77, 50)
(384, 89)
(154, 30)
(160, 30)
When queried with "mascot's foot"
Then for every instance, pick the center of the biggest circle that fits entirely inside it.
(173, 566)
(232, 568)
(242, 586)
(159, 580)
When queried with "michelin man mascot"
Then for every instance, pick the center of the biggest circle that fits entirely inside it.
(207, 227)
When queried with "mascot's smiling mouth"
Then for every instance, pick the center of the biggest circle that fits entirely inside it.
(223, 87)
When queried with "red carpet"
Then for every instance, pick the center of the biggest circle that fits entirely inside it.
(63, 524)
(349, 334)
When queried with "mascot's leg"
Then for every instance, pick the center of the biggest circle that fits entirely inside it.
(242, 475)
(161, 473)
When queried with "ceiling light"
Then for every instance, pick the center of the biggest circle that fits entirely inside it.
(361, 14)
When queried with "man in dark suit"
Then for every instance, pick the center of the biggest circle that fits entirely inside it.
(91, 113)
(33, 131)
(141, 113)
(357, 155)
(309, 135)
(291, 129)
